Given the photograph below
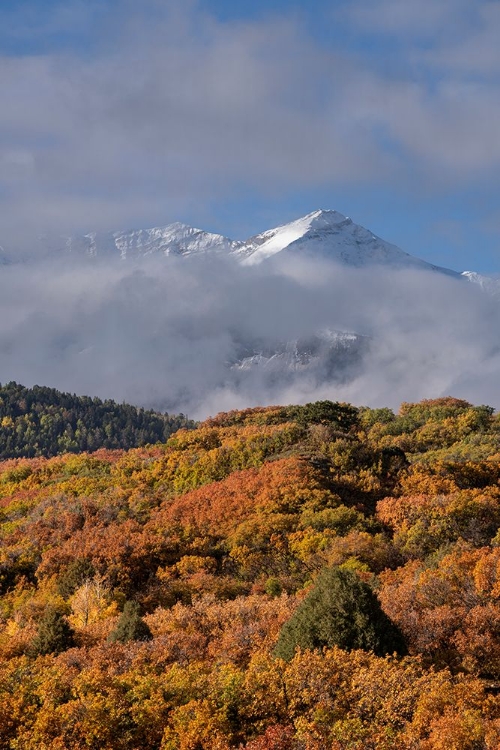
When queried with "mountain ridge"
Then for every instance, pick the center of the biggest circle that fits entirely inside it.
(323, 233)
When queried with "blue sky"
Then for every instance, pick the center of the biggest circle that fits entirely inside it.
(237, 116)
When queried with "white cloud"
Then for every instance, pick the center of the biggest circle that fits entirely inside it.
(162, 334)
(174, 111)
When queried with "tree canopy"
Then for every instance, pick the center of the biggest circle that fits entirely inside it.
(253, 584)
(42, 421)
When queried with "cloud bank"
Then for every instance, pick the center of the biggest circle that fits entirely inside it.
(165, 333)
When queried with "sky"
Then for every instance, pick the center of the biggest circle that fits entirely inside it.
(239, 116)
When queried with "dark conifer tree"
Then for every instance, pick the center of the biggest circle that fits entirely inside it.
(130, 625)
(341, 610)
(54, 633)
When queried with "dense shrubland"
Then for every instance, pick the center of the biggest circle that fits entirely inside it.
(282, 578)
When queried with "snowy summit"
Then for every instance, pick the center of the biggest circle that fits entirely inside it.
(324, 234)
(331, 235)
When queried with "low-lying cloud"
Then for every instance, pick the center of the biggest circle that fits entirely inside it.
(167, 332)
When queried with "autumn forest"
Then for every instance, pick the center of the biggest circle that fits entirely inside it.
(317, 577)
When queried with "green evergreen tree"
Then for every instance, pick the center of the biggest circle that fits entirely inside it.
(54, 633)
(130, 626)
(341, 610)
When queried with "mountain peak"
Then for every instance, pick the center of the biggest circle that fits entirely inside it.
(328, 234)
(265, 245)
(327, 214)
(326, 218)
(325, 232)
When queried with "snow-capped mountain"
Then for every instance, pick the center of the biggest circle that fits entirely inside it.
(331, 235)
(325, 234)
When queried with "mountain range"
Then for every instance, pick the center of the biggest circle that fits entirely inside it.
(322, 233)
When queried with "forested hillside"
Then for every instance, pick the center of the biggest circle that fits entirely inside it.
(45, 422)
(284, 578)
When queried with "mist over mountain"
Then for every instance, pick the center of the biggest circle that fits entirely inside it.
(180, 319)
